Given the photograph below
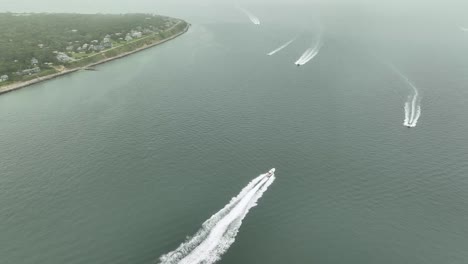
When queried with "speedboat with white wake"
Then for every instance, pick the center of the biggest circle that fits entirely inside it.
(218, 233)
(270, 172)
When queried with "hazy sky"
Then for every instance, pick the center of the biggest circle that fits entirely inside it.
(141, 5)
(437, 10)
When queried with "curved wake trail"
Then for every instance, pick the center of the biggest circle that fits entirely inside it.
(418, 114)
(413, 105)
(219, 232)
(407, 113)
(251, 16)
(305, 55)
(309, 54)
(281, 47)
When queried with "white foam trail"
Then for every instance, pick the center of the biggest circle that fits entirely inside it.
(251, 16)
(309, 57)
(303, 56)
(464, 29)
(413, 105)
(413, 102)
(219, 232)
(309, 54)
(282, 47)
(407, 110)
(207, 225)
(418, 114)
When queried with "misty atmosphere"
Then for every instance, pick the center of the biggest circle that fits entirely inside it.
(262, 131)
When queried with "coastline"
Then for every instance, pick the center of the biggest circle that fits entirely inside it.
(19, 85)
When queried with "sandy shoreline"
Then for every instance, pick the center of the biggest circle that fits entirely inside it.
(16, 86)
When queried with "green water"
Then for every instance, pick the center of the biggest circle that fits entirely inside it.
(121, 164)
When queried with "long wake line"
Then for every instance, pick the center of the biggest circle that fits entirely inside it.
(218, 232)
(282, 47)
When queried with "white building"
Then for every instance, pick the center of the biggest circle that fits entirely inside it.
(106, 43)
(62, 57)
(30, 71)
(136, 34)
(4, 78)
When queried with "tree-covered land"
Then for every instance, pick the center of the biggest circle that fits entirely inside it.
(33, 45)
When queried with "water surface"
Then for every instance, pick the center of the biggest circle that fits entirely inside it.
(121, 164)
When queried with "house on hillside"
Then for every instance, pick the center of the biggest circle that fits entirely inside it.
(106, 43)
(98, 48)
(62, 57)
(4, 78)
(34, 61)
(136, 34)
(29, 71)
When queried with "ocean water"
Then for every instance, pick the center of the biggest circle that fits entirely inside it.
(120, 165)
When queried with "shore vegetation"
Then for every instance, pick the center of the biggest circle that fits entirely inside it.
(35, 45)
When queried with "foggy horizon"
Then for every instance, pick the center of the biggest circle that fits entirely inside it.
(381, 7)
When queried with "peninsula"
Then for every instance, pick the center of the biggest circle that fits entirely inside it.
(39, 46)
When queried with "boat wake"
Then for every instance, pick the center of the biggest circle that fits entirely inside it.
(282, 47)
(407, 113)
(412, 104)
(309, 54)
(251, 16)
(218, 233)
